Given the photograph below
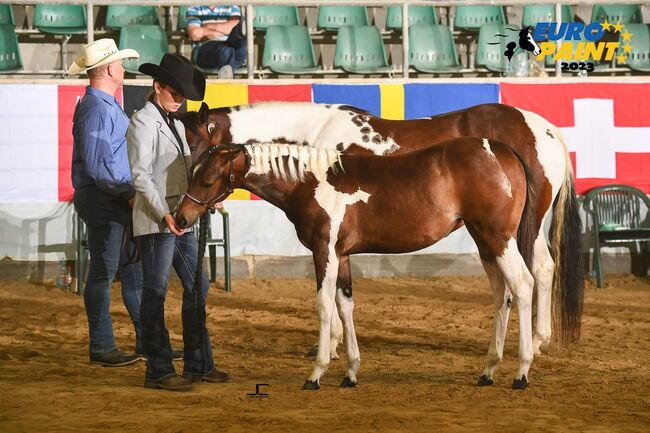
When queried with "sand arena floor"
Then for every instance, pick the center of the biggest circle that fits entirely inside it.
(422, 341)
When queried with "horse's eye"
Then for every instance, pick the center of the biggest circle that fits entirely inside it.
(207, 184)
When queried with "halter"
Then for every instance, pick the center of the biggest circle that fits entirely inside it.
(231, 177)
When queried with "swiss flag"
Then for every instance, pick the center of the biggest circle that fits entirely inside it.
(606, 127)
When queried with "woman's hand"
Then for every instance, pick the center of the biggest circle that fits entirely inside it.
(171, 223)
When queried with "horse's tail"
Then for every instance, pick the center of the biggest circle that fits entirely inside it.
(527, 232)
(568, 278)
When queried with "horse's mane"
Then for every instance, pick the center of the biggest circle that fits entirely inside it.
(301, 159)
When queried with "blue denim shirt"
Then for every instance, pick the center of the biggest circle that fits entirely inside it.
(99, 154)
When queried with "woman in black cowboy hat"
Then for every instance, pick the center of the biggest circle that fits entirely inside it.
(160, 161)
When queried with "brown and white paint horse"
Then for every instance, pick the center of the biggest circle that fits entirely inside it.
(533, 138)
(342, 204)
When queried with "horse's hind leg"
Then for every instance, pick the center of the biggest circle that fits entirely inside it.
(543, 268)
(502, 302)
(519, 281)
(345, 306)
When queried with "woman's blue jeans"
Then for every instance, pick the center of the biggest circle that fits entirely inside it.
(161, 251)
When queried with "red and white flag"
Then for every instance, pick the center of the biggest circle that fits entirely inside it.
(606, 127)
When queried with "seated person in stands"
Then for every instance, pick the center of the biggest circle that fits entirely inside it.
(217, 39)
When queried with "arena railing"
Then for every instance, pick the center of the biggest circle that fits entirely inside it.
(250, 4)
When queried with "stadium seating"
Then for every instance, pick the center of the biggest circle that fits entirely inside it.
(289, 50)
(266, 16)
(491, 48)
(417, 15)
(60, 19)
(6, 14)
(471, 18)
(616, 13)
(432, 49)
(181, 22)
(120, 16)
(10, 60)
(534, 14)
(334, 17)
(639, 58)
(360, 50)
(150, 41)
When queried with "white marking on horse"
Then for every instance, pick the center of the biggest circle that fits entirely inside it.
(334, 203)
(317, 125)
(196, 168)
(504, 181)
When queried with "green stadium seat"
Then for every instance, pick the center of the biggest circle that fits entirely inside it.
(432, 49)
(473, 17)
(150, 41)
(492, 56)
(534, 14)
(360, 50)
(181, 23)
(10, 60)
(267, 16)
(334, 17)
(60, 19)
(120, 16)
(6, 14)
(639, 58)
(616, 13)
(417, 15)
(289, 50)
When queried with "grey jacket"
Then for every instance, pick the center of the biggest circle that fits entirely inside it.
(159, 169)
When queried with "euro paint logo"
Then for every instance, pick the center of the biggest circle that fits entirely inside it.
(581, 45)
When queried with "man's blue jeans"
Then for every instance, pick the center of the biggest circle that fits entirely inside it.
(107, 217)
(217, 54)
(160, 252)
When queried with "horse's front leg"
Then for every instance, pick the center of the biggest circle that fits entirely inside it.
(326, 267)
(345, 306)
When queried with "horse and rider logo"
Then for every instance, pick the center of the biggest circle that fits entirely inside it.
(526, 42)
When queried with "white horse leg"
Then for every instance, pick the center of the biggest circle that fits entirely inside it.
(543, 268)
(519, 281)
(346, 308)
(325, 301)
(336, 333)
(502, 303)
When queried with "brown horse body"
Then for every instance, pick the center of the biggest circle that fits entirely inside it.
(536, 141)
(387, 204)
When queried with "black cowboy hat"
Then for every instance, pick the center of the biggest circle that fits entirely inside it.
(179, 73)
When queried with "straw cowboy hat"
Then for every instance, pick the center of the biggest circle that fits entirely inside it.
(98, 53)
(179, 73)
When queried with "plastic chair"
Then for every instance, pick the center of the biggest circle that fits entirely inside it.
(639, 58)
(267, 16)
(10, 60)
(473, 17)
(150, 41)
(63, 20)
(417, 15)
(6, 14)
(615, 212)
(534, 14)
(181, 23)
(360, 50)
(212, 243)
(335, 17)
(492, 56)
(616, 13)
(120, 16)
(289, 50)
(432, 48)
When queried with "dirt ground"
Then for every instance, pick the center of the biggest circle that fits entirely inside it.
(422, 341)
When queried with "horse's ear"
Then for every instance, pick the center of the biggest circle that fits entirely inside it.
(204, 112)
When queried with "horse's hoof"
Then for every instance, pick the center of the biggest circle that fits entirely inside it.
(311, 385)
(348, 383)
(485, 381)
(313, 351)
(520, 383)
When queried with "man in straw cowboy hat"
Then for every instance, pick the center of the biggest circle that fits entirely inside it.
(103, 196)
(160, 161)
